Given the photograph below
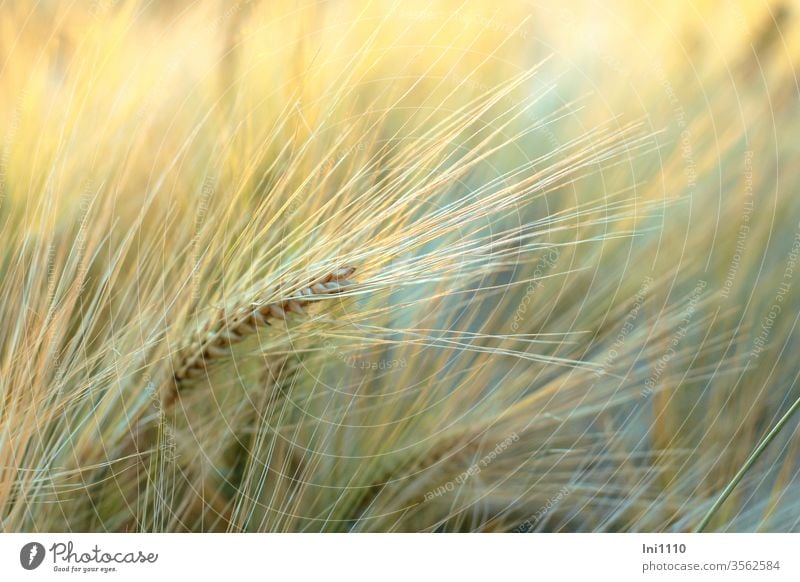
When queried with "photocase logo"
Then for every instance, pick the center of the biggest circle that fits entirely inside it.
(31, 555)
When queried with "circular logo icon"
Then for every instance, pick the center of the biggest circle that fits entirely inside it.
(31, 555)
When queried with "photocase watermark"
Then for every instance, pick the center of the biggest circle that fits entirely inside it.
(544, 264)
(85, 207)
(627, 327)
(545, 509)
(685, 137)
(473, 469)
(31, 555)
(361, 363)
(792, 258)
(65, 558)
(170, 446)
(690, 166)
(206, 192)
(744, 226)
(661, 364)
(8, 143)
(353, 362)
(679, 113)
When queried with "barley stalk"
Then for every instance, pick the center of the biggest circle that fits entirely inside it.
(226, 330)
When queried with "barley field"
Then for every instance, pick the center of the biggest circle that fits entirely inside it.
(343, 266)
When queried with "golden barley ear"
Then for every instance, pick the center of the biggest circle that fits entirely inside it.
(230, 327)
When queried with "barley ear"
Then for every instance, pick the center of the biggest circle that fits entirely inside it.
(229, 328)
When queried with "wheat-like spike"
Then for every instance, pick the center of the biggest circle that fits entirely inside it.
(217, 339)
